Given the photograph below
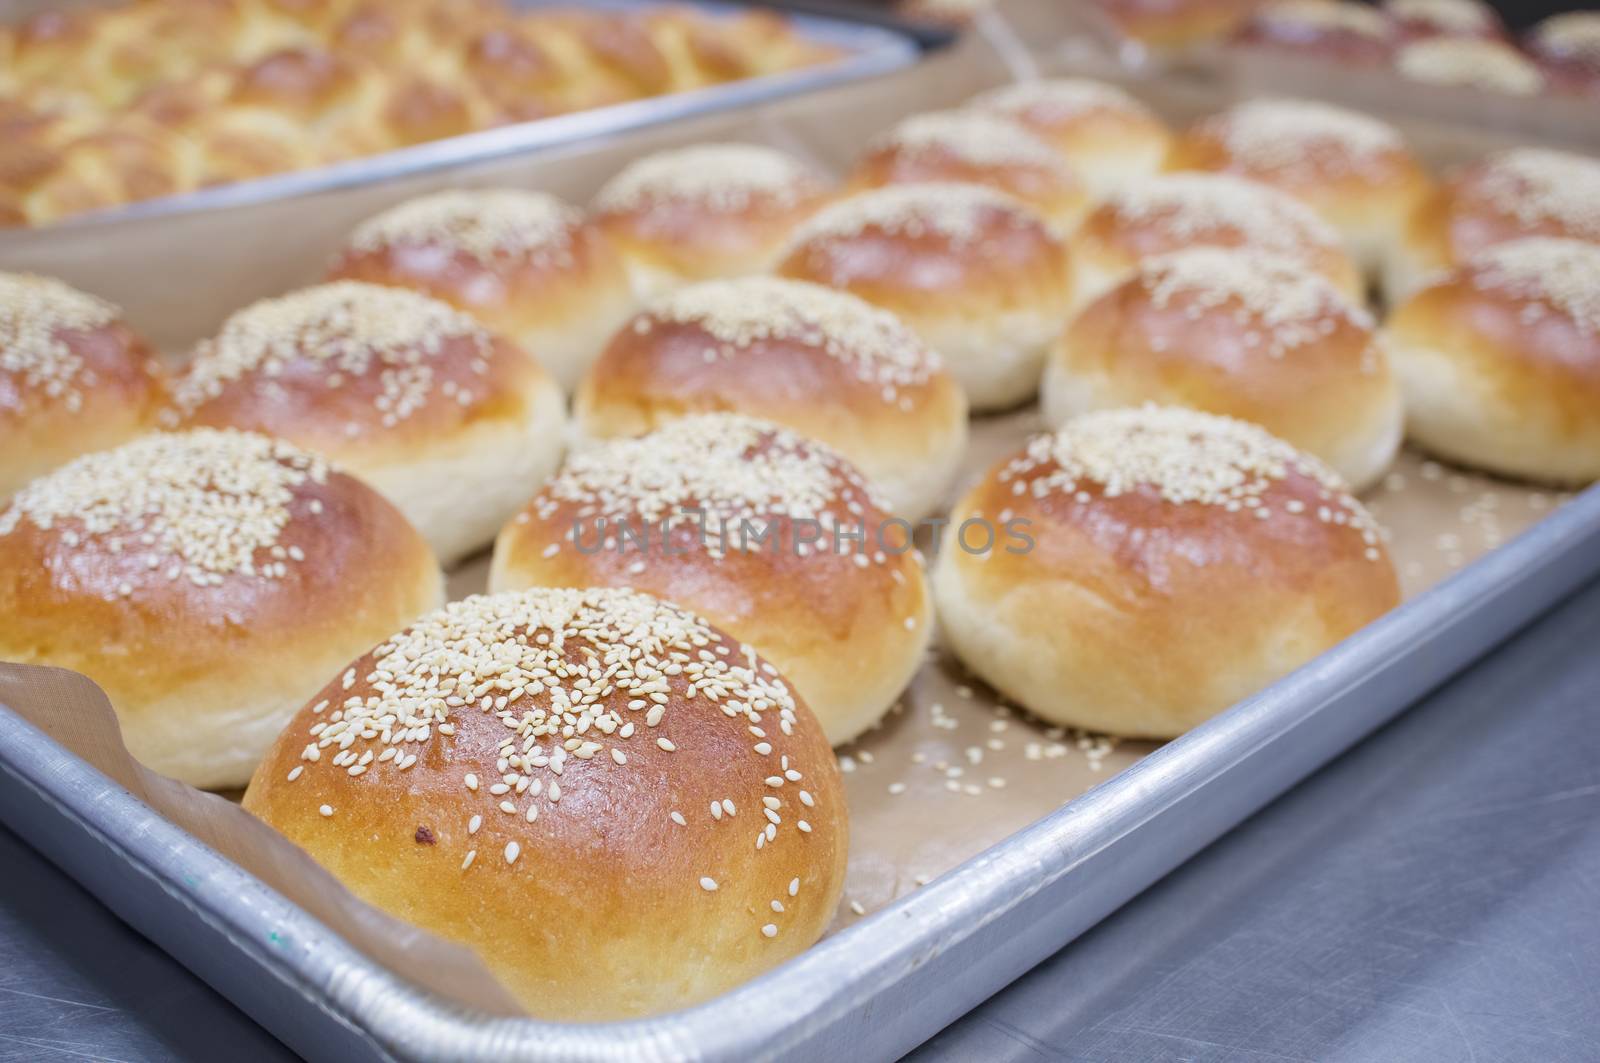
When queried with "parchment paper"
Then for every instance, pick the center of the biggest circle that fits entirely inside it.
(951, 771)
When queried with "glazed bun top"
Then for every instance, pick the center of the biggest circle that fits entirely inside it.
(934, 238)
(709, 179)
(980, 147)
(1540, 296)
(1267, 303)
(1470, 62)
(724, 467)
(1144, 478)
(347, 365)
(1174, 211)
(481, 227)
(1338, 27)
(57, 344)
(1300, 145)
(1520, 192)
(752, 326)
(585, 727)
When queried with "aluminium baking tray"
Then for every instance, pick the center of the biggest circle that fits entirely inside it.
(868, 50)
(873, 989)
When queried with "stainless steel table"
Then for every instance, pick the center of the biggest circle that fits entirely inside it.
(1433, 895)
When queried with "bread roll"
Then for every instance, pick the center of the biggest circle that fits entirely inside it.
(1350, 168)
(704, 212)
(209, 582)
(529, 774)
(527, 265)
(73, 378)
(1342, 31)
(1180, 562)
(1500, 361)
(1567, 49)
(1102, 132)
(1240, 333)
(772, 538)
(1460, 19)
(1468, 62)
(1174, 25)
(1504, 196)
(981, 278)
(823, 363)
(981, 148)
(454, 424)
(1173, 212)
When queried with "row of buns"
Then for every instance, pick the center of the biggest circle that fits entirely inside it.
(545, 771)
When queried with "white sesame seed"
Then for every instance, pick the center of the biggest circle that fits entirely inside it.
(326, 810)
(770, 930)
(708, 884)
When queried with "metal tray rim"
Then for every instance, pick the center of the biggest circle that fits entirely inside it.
(777, 1012)
(871, 51)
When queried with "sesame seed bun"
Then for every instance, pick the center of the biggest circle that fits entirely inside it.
(1102, 132)
(1504, 196)
(529, 774)
(745, 524)
(1467, 62)
(527, 265)
(1352, 169)
(453, 423)
(1180, 562)
(1176, 24)
(73, 378)
(1567, 49)
(1458, 19)
(1338, 30)
(976, 147)
(821, 362)
(1500, 360)
(1244, 334)
(208, 581)
(979, 276)
(705, 212)
(1173, 212)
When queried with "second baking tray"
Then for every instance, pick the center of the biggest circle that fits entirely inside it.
(880, 984)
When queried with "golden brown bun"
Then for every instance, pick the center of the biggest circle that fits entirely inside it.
(979, 276)
(157, 97)
(1350, 168)
(73, 378)
(1172, 212)
(209, 582)
(1177, 24)
(976, 147)
(1102, 132)
(1180, 562)
(1338, 30)
(603, 888)
(1567, 48)
(1505, 196)
(823, 363)
(1467, 62)
(1500, 360)
(527, 265)
(704, 212)
(750, 526)
(1458, 19)
(1239, 333)
(454, 424)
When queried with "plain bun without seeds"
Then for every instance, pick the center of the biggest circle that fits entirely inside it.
(209, 581)
(1180, 562)
(621, 810)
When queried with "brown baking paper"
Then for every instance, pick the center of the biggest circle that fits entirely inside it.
(952, 769)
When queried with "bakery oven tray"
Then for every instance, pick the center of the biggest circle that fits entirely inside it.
(867, 50)
(911, 958)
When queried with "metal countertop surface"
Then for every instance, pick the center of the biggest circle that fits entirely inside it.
(1431, 895)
